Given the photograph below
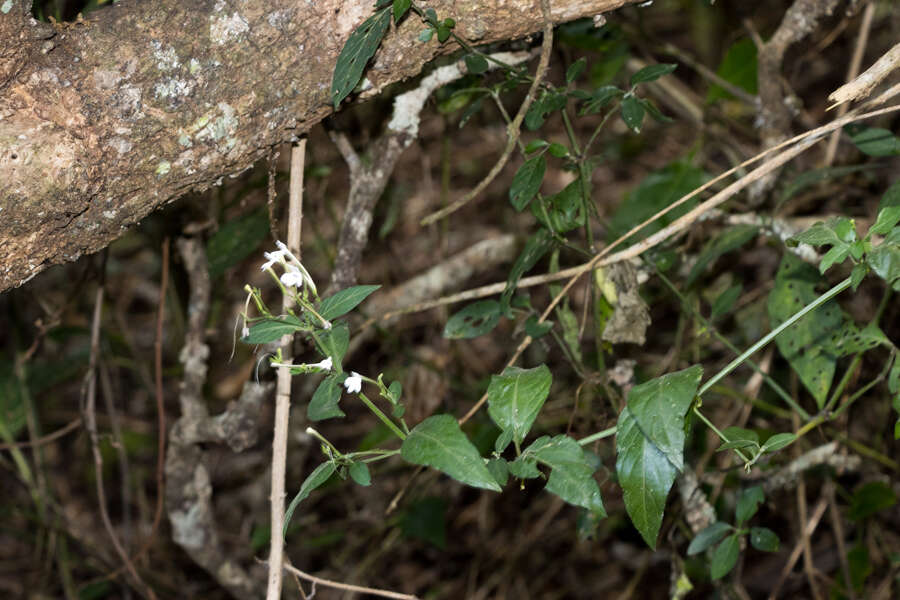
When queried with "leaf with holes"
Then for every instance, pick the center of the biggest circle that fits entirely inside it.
(851, 339)
(515, 398)
(646, 476)
(805, 343)
(474, 320)
(360, 47)
(439, 442)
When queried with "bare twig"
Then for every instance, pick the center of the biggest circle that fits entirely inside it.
(514, 128)
(852, 71)
(46, 439)
(808, 530)
(863, 85)
(283, 390)
(348, 587)
(834, 516)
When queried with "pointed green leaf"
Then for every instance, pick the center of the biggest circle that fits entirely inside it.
(887, 218)
(575, 69)
(324, 403)
(875, 141)
(360, 47)
(725, 556)
(527, 182)
(439, 442)
(334, 343)
(271, 330)
(652, 73)
(515, 398)
(764, 539)
(400, 8)
(777, 442)
(535, 248)
(524, 467)
(499, 469)
(707, 537)
(748, 503)
(646, 476)
(738, 66)
(474, 320)
(571, 475)
(319, 476)
(632, 112)
(359, 472)
(659, 407)
(476, 64)
(345, 300)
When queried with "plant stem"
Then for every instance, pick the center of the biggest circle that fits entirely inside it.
(598, 436)
(837, 289)
(384, 418)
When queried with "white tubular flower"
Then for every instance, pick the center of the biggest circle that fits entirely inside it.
(292, 277)
(273, 257)
(325, 365)
(245, 331)
(353, 383)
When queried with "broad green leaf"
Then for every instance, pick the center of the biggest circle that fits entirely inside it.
(646, 476)
(317, 478)
(836, 255)
(876, 142)
(360, 47)
(527, 182)
(764, 539)
(334, 343)
(476, 64)
(443, 33)
(575, 69)
(474, 320)
(725, 556)
(345, 300)
(632, 112)
(499, 469)
(550, 101)
(558, 150)
(748, 503)
(652, 73)
(804, 344)
(887, 218)
(659, 407)
(271, 330)
(535, 248)
(728, 240)
(515, 398)
(425, 35)
(738, 67)
(777, 442)
(359, 472)
(439, 442)
(324, 403)
(561, 212)
(870, 498)
(400, 8)
(850, 339)
(885, 262)
(503, 440)
(891, 197)
(426, 520)
(657, 191)
(571, 476)
(236, 240)
(707, 537)
(524, 467)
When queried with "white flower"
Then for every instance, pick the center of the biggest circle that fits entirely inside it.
(292, 277)
(245, 331)
(274, 257)
(325, 365)
(353, 383)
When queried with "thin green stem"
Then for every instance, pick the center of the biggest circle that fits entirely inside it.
(721, 435)
(384, 418)
(837, 289)
(598, 436)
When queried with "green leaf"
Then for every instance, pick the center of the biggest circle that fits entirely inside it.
(885, 262)
(652, 73)
(515, 398)
(657, 191)
(575, 69)
(236, 240)
(535, 145)
(571, 476)
(738, 67)
(318, 477)
(499, 469)
(887, 218)
(725, 556)
(725, 301)
(850, 339)
(561, 212)
(426, 520)
(425, 35)
(439, 442)
(730, 239)
(535, 248)
(271, 330)
(646, 476)
(524, 467)
(345, 300)
(764, 539)
(527, 181)
(777, 442)
(836, 255)
(443, 33)
(739, 438)
(659, 407)
(558, 150)
(324, 403)
(858, 273)
(334, 343)
(569, 323)
(876, 142)
(803, 344)
(632, 112)
(476, 64)
(400, 9)
(503, 440)
(360, 47)
(748, 503)
(891, 197)
(359, 472)
(474, 320)
(708, 536)
(601, 97)
(537, 330)
(870, 498)
(550, 101)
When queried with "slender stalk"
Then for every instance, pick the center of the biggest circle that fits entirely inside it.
(384, 418)
(598, 436)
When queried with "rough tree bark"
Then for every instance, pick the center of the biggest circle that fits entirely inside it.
(105, 120)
